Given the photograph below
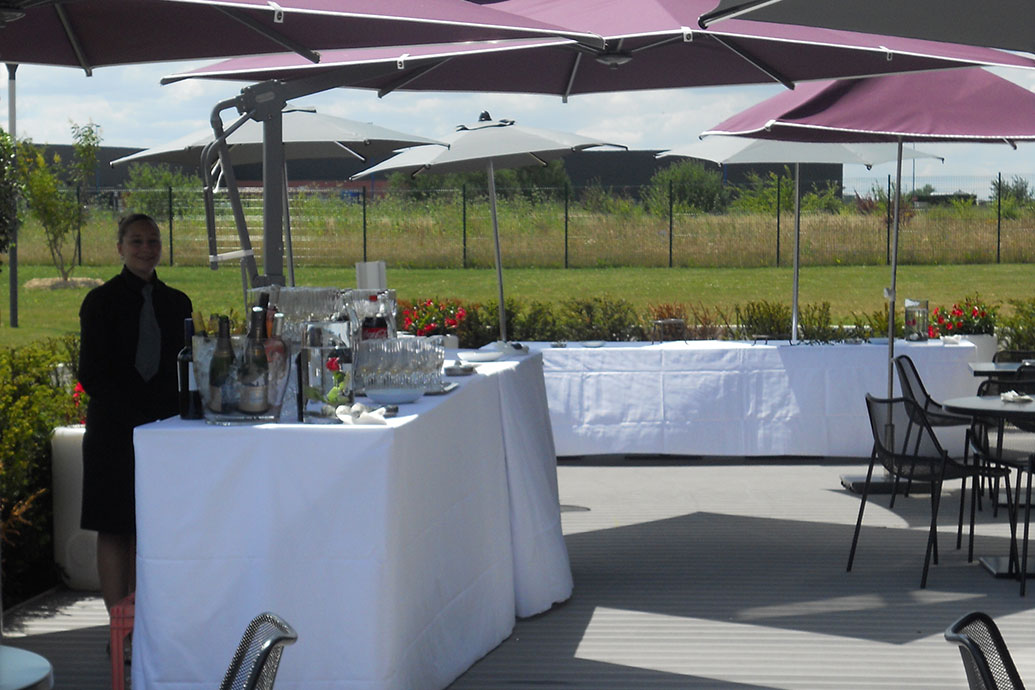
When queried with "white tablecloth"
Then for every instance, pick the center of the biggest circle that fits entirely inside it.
(729, 397)
(401, 554)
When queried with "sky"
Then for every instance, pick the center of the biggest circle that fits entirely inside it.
(133, 109)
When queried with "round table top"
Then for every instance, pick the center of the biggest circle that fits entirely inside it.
(21, 669)
(990, 405)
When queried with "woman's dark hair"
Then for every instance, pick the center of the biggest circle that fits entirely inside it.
(126, 221)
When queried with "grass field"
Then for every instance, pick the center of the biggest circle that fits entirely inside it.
(849, 289)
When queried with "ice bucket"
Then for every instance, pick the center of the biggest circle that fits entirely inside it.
(916, 319)
(279, 358)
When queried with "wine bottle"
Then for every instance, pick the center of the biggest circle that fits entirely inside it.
(190, 398)
(254, 373)
(220, 381)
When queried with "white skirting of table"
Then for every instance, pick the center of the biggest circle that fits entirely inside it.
(401, 554)
(730, 397)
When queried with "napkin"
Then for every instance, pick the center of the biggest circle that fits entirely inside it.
(360, 414)
(1014, 396)
(952, 339)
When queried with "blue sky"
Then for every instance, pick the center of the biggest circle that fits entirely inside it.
(133, 109)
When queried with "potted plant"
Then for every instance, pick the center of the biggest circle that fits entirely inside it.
(434, 317)
(972, 319)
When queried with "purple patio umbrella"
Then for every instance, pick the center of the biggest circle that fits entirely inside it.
(1003, 24)
(648, 45)
(971, 105)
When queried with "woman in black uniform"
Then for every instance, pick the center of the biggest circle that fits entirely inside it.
(131, 330)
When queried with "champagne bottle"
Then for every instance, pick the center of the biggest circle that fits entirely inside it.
(190, 398)
(220, 381)
(254, 373)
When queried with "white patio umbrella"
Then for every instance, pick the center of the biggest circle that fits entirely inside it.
(306, 135)
(732, 150)
(488, 144)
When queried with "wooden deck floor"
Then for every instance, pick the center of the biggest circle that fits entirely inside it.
(703, 574)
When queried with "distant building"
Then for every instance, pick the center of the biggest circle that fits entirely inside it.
(613, 169)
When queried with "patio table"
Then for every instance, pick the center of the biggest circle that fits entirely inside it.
(994, 369)
(400, 553)
(731, 397)
(993, 406)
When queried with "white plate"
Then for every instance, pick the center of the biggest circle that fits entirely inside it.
(479, 355)
(592, 343)
(394, 396)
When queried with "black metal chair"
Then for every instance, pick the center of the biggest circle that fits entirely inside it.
(1013, 355)
(254, 665)
(913, 388)
(986, 659)
(907, 447)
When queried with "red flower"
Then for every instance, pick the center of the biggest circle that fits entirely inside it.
(332, 364)
(931, 332)
(77, 393)
(948, 325)
(451, 323)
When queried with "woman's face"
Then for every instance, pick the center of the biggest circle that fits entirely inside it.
(141, 249)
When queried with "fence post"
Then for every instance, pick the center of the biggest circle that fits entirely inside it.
(670, 222)
(887, 226)
(463, 223)
(998, 216)
(170, 225)
(779, 194)
(78, 227)
(363, 196)
(567, 196)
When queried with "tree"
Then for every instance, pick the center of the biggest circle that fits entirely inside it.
(148, 191)
(760, 195)
(695, 189)
(10, 190)
(51, 188)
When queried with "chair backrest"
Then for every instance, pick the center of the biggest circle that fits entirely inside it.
(909, 380)
(985, 657)
(1013, 355)
(903, 440)
(254, 665)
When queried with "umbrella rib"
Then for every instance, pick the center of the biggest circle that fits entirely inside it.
(571, 78)
(269, 33)
(411, 77)
(723, 13)
(754, 62)
(73, 40)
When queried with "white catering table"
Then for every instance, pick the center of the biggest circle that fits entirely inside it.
(400, 553)
(731, 397)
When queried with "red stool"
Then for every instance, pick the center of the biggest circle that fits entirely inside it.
(121, 615)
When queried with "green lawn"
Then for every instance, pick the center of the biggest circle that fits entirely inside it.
(858, 289)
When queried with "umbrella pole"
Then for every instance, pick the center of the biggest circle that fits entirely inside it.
(496, 239)
(890, 293)
(287, 230)
(797, 235)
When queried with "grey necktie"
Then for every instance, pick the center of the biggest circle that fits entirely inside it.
(149, 342)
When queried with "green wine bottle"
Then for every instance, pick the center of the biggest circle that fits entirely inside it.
(220, 381)
(254, 373)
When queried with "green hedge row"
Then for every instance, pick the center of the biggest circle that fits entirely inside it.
(36, 395)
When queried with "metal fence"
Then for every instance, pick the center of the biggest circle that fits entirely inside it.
(584, 226)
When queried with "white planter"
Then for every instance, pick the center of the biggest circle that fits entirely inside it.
(986, 345)
(75, 549)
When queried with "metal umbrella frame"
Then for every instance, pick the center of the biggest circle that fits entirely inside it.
(969, 106)
(727, 150)
(488, 144)
(307, 135)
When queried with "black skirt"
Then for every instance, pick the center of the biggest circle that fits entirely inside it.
(108, 480)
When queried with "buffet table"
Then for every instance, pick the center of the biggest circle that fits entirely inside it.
(401, 553)
(731, 397)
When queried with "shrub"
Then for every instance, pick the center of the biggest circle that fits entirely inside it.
(599, 318)
(815, 323)
(1017, 332)
(695, 189)
(33, 401)
(771, 319)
